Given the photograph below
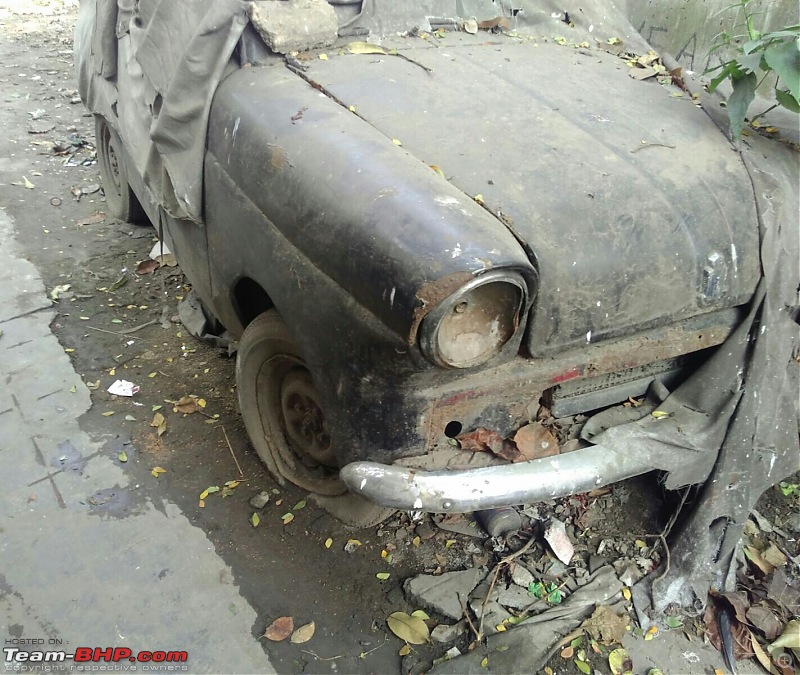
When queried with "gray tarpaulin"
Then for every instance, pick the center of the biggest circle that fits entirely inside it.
(167, 58)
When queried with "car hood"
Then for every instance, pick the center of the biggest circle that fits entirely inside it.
(633, 206)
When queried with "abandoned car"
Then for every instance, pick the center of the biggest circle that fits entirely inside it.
(429, 221)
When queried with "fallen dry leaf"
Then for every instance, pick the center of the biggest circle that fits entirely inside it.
(186, 405)
(364, 48)
(98, 217)
(606, 626)
(303, 634)
(412, 629)
(535, 440)
(481, 440)
(500, 23)
(147, 267)
(279, 629)
(160, 423)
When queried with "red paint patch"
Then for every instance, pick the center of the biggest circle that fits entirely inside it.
(567, 375)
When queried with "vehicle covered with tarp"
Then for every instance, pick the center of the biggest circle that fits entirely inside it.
(475, 253)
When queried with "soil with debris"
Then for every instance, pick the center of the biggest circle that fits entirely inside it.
(181, 438)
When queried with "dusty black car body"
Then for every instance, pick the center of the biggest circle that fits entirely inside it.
(605, 230)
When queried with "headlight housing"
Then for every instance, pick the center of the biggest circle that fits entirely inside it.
(474, 324)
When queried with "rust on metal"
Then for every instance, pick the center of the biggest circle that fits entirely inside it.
(431, 294)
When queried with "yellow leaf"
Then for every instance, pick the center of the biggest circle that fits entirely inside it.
(69, 350)
(484, 662)
(384, 553)
(479, 199)
(437, 169)
(287, 518)
(397, 141)
(405, 650)
(383, 576)
(422, 615)
(449, 543)
(122, 456)
(651, 633)
(548, 670)
(153, 374)
(157, 471)
(660, 414)
(619, 662)
(354, 542)
(255, 520)
(232, 483)
(639, 543)
(351, 108)
(500, 628)
(201, 504)
(328, 542)
(112, 371)
(416, 541)
(412, 629)
(365, 48)
(158, 420)
(108, 413)
(303, 634)
(201, 402)
(323, 57)
(626, 593)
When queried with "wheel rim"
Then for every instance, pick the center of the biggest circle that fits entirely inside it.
(293, 420)
(304, 420)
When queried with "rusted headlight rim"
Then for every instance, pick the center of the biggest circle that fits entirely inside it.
(429, 328)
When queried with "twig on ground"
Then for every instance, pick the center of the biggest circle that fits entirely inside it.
(375, 649)
(135, 329)
(465, 611)
(653, 145)
(504, 562)
(230, 447)
(321, 658)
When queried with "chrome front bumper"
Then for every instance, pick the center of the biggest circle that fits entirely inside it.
(492, 487)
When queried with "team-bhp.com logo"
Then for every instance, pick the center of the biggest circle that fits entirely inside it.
(15, 658)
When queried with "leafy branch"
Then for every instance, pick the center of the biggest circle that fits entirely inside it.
(777, 52)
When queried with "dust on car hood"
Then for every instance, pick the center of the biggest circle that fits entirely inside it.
(632, 203)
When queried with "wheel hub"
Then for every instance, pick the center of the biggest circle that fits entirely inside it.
(304, 420)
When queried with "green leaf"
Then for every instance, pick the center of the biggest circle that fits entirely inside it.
(122, 456)
(787, 100)
(674, 621)
(583, 667)
(744, 91)
(300, 505)
(383, 576)
(536, 589)
(729, 69)
(255, 520)
(785, 61)
(751, 63)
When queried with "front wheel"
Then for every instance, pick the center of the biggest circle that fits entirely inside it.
(282, 410)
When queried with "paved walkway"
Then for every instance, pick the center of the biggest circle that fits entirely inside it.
(72, 571)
